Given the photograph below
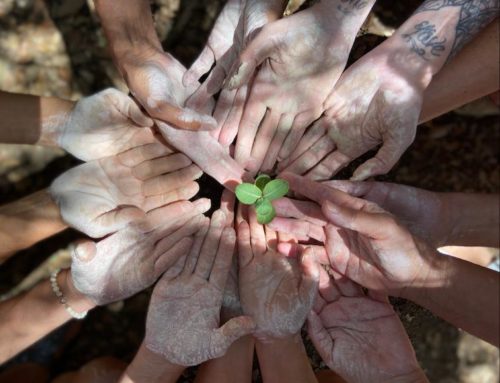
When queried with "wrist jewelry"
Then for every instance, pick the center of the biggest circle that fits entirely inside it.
(62, 300)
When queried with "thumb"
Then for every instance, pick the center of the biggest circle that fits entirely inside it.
(223, 337)
(133, 112)
(117, 219)
(310, 278)
(201, 66)
(320, 338)
(260, 48)
(84, 251)
(382, 163)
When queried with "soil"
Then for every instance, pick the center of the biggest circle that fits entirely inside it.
(57, 48)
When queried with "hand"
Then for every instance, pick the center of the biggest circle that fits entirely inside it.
(303, 56)
(104, 124)
(365, 243)
(376, 101)
(152, 83)
(183, 317)
(235, 26)
(201, 147)
(133, 258)
(276, 291)
(360, 336)
(104, 196)
(423, 212)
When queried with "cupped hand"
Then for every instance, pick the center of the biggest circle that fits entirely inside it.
(365, 243)
(377, 101)
(276, 291)
(237, 23)
(152, 83)
(133, 258)
(183, 317)
(360, 336)
(103, 196)
(104, 124)
(302, 57)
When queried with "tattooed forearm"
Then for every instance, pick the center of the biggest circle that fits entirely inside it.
(348, 6)
(474, 16)
(424, 42)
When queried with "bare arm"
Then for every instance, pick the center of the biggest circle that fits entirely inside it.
(28, 119)
(27, 221)
(30, 316)
(472, 74)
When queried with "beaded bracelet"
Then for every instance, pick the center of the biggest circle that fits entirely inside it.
(62, 300)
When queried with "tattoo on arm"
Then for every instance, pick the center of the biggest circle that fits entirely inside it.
(424, 42)
(349, 6)
(474, 16)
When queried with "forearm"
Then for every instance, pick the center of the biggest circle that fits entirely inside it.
(472, 74)
(462, 293)
(235, 366)
(148, 367)
(27, 221)
(473, 219)
(284, 360)
(28, 119)
(28, 317)
(128, 26)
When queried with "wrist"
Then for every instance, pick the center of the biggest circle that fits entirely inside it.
(76, 300)
(148, 366)
(54, 116)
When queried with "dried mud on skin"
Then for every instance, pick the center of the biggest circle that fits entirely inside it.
(57, 48)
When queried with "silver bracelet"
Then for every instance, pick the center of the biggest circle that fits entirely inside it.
(62, 300)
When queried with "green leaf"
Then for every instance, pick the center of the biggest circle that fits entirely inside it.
(275, 189)
(247, 194)
(265, 211)
(262, 180)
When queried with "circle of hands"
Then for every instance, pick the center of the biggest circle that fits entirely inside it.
(134, 194)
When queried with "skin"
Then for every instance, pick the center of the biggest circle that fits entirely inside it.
(288, 91)
(369, 246)
(236, 25)
(359, 336)
(144, 65)
(103, 196)
(378, 99)
(133, 258)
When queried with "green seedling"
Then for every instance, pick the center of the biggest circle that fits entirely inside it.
(260, 194)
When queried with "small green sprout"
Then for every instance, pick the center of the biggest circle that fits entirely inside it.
(260, 194)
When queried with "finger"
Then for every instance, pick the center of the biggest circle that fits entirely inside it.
(284, 126)
(253, 114)
(135, 113)
(347, 287)
(313, 135)
(327, 288)
(159, 166)
(242, 213)
(312, 157)
(229, 129)
(215, 79)
(354, 188)
(257, 234)
(210, 245)
(294, 250)
(227, 204)
(172, 261)
(188, 229)
(245, 253)
(263, 139)
(304, 210)
(271, 238)
(142, 153)
(222, 338)
(320, 338)
(201, 65)
(222, 111)
(84, 251)
(183, 193)
(287, 238)
(223, 260)
(300, 124)
(329, 166)
(117, 219)
(168, 182)
(194, 252)
(373, 225)
(260, 48)
(183, 118)
(297, 227)
(169, 215)
(310, 277)
(382, 163)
